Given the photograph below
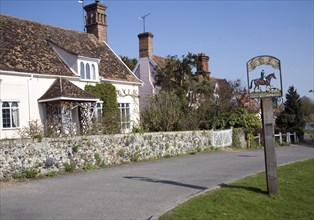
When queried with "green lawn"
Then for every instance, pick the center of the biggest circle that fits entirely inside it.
(248, 199)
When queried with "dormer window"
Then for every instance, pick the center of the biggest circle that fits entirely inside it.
(88, 68)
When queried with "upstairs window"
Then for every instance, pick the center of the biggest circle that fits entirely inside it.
(93, 72)
(88, 72)
(88, 69)
(10, 115)
(82, 70)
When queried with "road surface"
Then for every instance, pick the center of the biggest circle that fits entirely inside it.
(142, 190)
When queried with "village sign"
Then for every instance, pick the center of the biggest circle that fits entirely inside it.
(260, 82)
(266, 86)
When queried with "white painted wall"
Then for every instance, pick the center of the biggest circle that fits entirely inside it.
(27, 89)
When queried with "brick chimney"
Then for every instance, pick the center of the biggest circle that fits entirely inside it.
(145, 44)
(203, 62)
(96, 22)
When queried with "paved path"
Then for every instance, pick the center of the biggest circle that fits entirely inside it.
(137, 191)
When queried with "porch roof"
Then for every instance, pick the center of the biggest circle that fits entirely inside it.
(63, 89)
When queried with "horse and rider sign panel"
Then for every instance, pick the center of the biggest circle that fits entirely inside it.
(264, 77)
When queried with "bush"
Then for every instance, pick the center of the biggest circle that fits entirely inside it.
(17, 175)
(162, 112)
(69, 167)
(236, 143)
(121, 152)
(52, 173)
(31, 173)
(135, 157)
(98, 159)
(35, 130)
(88, 166)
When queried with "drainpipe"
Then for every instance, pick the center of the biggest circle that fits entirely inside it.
(29, 101)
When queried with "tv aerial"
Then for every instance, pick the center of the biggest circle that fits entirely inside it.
(143, 18)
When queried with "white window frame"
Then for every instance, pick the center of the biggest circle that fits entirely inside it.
(99, 110)
(12, 111)
(125, 115)
(88, 68)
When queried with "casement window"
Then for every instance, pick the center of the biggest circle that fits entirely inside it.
(88, 68)
(125, 115)
(10, 114)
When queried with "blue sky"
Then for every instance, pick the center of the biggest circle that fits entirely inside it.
(229, 32)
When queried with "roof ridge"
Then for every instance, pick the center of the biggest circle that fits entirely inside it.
(44, 24)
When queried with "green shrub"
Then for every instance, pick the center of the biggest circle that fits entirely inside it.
(252, 143)
(52, 173)
(31, 172)
(69, 167)
(34, 130)
(17, 175)
(97, 158)
(88, 166)
(236, 143)
(135, 157)
(39, 137)
(121, 152)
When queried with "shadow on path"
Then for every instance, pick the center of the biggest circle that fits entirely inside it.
(248, 188)
(150, 180)
(245, 155)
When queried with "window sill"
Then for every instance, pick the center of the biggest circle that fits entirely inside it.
(15, 128)
(89, 80)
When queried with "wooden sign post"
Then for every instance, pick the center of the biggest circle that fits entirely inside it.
(262, 87)
(269, 146)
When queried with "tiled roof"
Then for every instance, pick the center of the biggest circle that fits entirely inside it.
(24, 47)
(62, 88)
(160, 61)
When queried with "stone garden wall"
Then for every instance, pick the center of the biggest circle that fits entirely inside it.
(85, 152)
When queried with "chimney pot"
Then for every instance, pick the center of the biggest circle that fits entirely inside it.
(204, 62)
(145, 44)
(96, 21)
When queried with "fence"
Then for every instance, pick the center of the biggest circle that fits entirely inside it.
(222, 138)
(288, 137)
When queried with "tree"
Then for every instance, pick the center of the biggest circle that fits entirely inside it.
(111, 114)
(292, 117)
(308, 108)
(203, 103)
(129, 62)
(162, 113)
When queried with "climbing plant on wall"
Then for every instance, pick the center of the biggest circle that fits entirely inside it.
(111, 115)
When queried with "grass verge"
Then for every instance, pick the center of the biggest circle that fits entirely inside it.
(248, 198)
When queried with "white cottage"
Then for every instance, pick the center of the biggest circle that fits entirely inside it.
(44, 69)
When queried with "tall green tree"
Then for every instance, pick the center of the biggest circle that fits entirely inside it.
(308, 108)
(129, 62)
(292, 117)
(111, 114)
